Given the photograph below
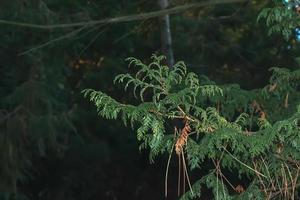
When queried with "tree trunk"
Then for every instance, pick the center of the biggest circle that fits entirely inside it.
(165, 31)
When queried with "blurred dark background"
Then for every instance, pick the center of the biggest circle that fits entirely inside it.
(52, 143)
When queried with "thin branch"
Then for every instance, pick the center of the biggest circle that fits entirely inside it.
(8, 115)
(187, 175)
(268, 173)
(219, 172)
(72, 33)
(247, 166)
(260, 179)
(92, 41)
(168, 165)
(128, 18)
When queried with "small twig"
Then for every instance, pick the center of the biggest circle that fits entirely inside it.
(289, 160)
(179, 174)
(286, 100)
(290, 176)
(187, 176)
(92, 41)
(284, 181)
(294, 183)
(260, 179)
(244, 164)
(53, 40)
(279, 187)
(186, 116)
(218, 169)
(167, 171)
(280, 192)
(8, 115)
(271, 181)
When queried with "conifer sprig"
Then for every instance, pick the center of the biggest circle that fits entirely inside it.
(233, 127)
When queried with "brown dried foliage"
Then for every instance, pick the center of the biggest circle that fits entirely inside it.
(181, 141)
(239, 189)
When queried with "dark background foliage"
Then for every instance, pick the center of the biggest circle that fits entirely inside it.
(52, 144)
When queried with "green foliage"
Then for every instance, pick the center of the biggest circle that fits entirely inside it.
(34, 118)
(244, 142)
(39, 92)
(280, 19)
